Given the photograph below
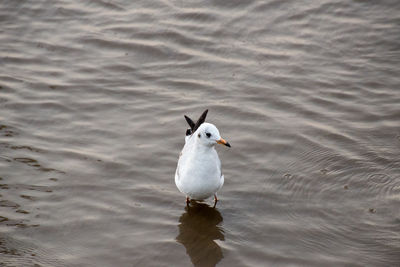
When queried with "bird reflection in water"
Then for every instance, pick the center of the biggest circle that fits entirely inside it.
(198, 228)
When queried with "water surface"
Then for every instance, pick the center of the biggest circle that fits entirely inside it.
(92, 98)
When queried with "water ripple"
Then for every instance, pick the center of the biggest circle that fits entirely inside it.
(93, 96)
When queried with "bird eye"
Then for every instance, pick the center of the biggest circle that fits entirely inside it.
(208, 135)
(199, 135)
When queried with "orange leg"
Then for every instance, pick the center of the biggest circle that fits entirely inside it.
(215, 200)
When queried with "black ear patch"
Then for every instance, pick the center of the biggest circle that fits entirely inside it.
(200, 121)
(188, 132)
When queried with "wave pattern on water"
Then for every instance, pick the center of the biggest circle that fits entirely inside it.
(93, 95)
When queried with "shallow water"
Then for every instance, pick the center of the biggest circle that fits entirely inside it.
(92, 98)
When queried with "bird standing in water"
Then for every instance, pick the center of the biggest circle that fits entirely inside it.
(198, 174)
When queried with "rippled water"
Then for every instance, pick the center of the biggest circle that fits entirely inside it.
(92, 98)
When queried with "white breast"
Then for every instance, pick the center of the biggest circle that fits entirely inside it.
(198, 174)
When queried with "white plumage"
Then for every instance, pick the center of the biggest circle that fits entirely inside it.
(198, 174)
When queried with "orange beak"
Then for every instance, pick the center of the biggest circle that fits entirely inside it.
(223, 142)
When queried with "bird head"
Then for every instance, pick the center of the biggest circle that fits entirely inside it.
(208, 135)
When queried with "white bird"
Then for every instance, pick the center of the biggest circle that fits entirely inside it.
(198, 174)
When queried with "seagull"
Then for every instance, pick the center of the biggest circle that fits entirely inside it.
(199, 174)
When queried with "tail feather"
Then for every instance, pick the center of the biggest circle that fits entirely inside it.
(195, 126)
(190, 122)
(200, 120)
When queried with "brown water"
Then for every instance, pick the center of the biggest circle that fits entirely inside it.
(92, 98)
